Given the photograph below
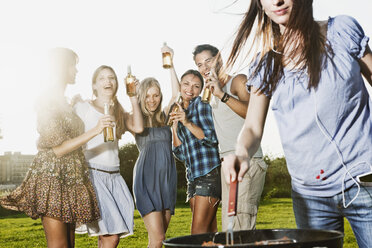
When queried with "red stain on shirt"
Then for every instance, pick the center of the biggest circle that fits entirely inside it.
(321, 171)
(317, 177)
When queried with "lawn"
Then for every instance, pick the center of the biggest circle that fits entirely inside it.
(20, 231)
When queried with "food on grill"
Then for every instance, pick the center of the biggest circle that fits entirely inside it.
(284, 240)
(210, 243)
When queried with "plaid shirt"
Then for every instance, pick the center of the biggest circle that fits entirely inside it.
(200, 156)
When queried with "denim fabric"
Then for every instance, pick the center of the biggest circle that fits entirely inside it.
(339, 109)
(328, 213)
(208, 185)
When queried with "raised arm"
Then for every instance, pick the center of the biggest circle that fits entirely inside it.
(174, 80)
(249, 138)
(134, 121)
(366, 65)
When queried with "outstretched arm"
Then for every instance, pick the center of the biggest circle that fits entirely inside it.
(249, 138)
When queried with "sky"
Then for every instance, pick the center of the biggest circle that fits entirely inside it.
(118, 33)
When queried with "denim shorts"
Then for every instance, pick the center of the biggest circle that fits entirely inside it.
(207, 185)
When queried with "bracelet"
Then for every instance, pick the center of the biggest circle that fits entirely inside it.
(225, 97)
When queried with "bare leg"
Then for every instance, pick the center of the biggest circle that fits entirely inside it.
(204, 209)
(154, 223)
(108, 241)
(166, 219)
(56, 233)
(213, 226)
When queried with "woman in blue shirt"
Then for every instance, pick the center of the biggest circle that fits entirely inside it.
(312, 71)
(195, 143)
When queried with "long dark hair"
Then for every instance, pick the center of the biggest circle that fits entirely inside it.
(119, 112)
(302, 34)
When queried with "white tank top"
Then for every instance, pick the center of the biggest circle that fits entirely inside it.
(227, 124)
(97, 151)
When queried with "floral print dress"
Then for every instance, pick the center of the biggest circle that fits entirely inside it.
(57, 187)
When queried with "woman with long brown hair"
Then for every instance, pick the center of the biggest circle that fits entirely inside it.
(57, 188)
(195, 144)
(312, 71)
(114, 198)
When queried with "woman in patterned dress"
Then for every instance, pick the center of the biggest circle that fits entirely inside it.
(57, 188)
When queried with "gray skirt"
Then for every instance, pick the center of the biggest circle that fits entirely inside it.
(115, 203)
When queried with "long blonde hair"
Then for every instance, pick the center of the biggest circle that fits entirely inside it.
(158, 117)
(119, 112)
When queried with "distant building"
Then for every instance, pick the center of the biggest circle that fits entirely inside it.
(13, 167)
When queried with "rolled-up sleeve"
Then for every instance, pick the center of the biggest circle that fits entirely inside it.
(206, 121)
(178, 153)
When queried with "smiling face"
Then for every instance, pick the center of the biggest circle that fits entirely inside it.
(278, 11)
(191, 87)
(153, 99)
(204, 61)
(105, 83)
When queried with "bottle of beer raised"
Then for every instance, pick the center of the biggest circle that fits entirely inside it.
(129, 83)
(207, 93)
(173, 108)
(108, 132)
(167, 59)
(206, 97)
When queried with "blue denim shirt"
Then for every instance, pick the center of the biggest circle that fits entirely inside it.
(200, 156)
(314, 124)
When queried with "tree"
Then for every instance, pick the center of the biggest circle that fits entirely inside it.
(128, 155)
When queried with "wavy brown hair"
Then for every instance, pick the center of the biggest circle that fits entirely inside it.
(302, 35)
(158, 118)
(119, 112)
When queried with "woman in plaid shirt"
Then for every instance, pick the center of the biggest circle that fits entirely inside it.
(195, 143)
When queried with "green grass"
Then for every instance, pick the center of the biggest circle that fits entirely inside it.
(18, 230)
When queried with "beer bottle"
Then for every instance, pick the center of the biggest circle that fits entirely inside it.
(207, 93)
(206, 97)
(108, 132)
(173, 108)
(130, 83)
(167, 59)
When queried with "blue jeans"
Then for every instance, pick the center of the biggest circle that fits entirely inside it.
(328, 213)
